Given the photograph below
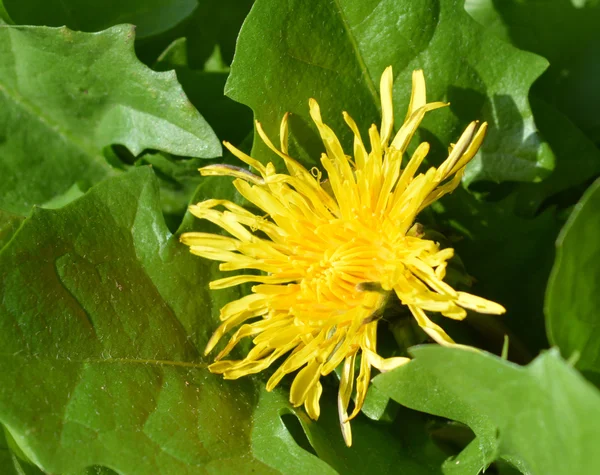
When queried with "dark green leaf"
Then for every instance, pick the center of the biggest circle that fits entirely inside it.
(543, 417)
(213, 25)
(510, 258)
(149, 16)
(573, 294)
(402, 447)
(566, 33)
(230, 120)
(103, 317)
(276, 69)
(12, 459)
(577, 158)
(68, 95)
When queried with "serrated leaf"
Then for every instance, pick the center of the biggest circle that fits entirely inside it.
(67, 95)
(542, 417)
(151, 17)
(276, 70)
(570, 84)
(230, 120)
(577, 158)
(573, 294)
(103, 318)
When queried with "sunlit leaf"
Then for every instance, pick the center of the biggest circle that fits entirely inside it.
(276, 70)
(67, 95)
(103, 318)
(542, 417)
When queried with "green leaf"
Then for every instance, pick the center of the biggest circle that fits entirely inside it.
(573, 293)
(64, 99)
(9, 224)
(402, 447)
(103, 317)
(570, 83)
(272, 442)
(213, 24)
(542, 417)
(577, 158)
(12, 459)
(510, 258)
(149, 16)
(276, 69)
(230, 120)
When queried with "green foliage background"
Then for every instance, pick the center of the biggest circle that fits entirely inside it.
(104, 315)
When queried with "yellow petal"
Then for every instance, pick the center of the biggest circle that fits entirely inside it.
(283, 133)
(387, 108)
(304, 382)
(479, 304)
(418, 95)
(311, 404)
(433, 330)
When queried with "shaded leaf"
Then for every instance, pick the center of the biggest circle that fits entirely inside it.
(577, 158)
(64, 99)
(149, 16)
(103, 318)
(402, 447)
(230, 120)
(277, 69)
(510, 258)
(573, 294)
(566, 33)
(542, 417)
(213, 24)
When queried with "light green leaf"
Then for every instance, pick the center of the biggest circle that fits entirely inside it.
(149, 16)
(542, 417)
(573, 293)
(103, 317)
(276, 69)
(65, 96)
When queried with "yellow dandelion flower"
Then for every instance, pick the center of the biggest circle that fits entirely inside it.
(331, 255)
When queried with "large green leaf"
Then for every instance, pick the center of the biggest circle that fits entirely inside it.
(149, 16)
(566, 33)
(276, 69)
(573, 294)
(65, 96)
(543, 417)
(103, 317)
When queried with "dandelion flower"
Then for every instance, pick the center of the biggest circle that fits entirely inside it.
(332, 251)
